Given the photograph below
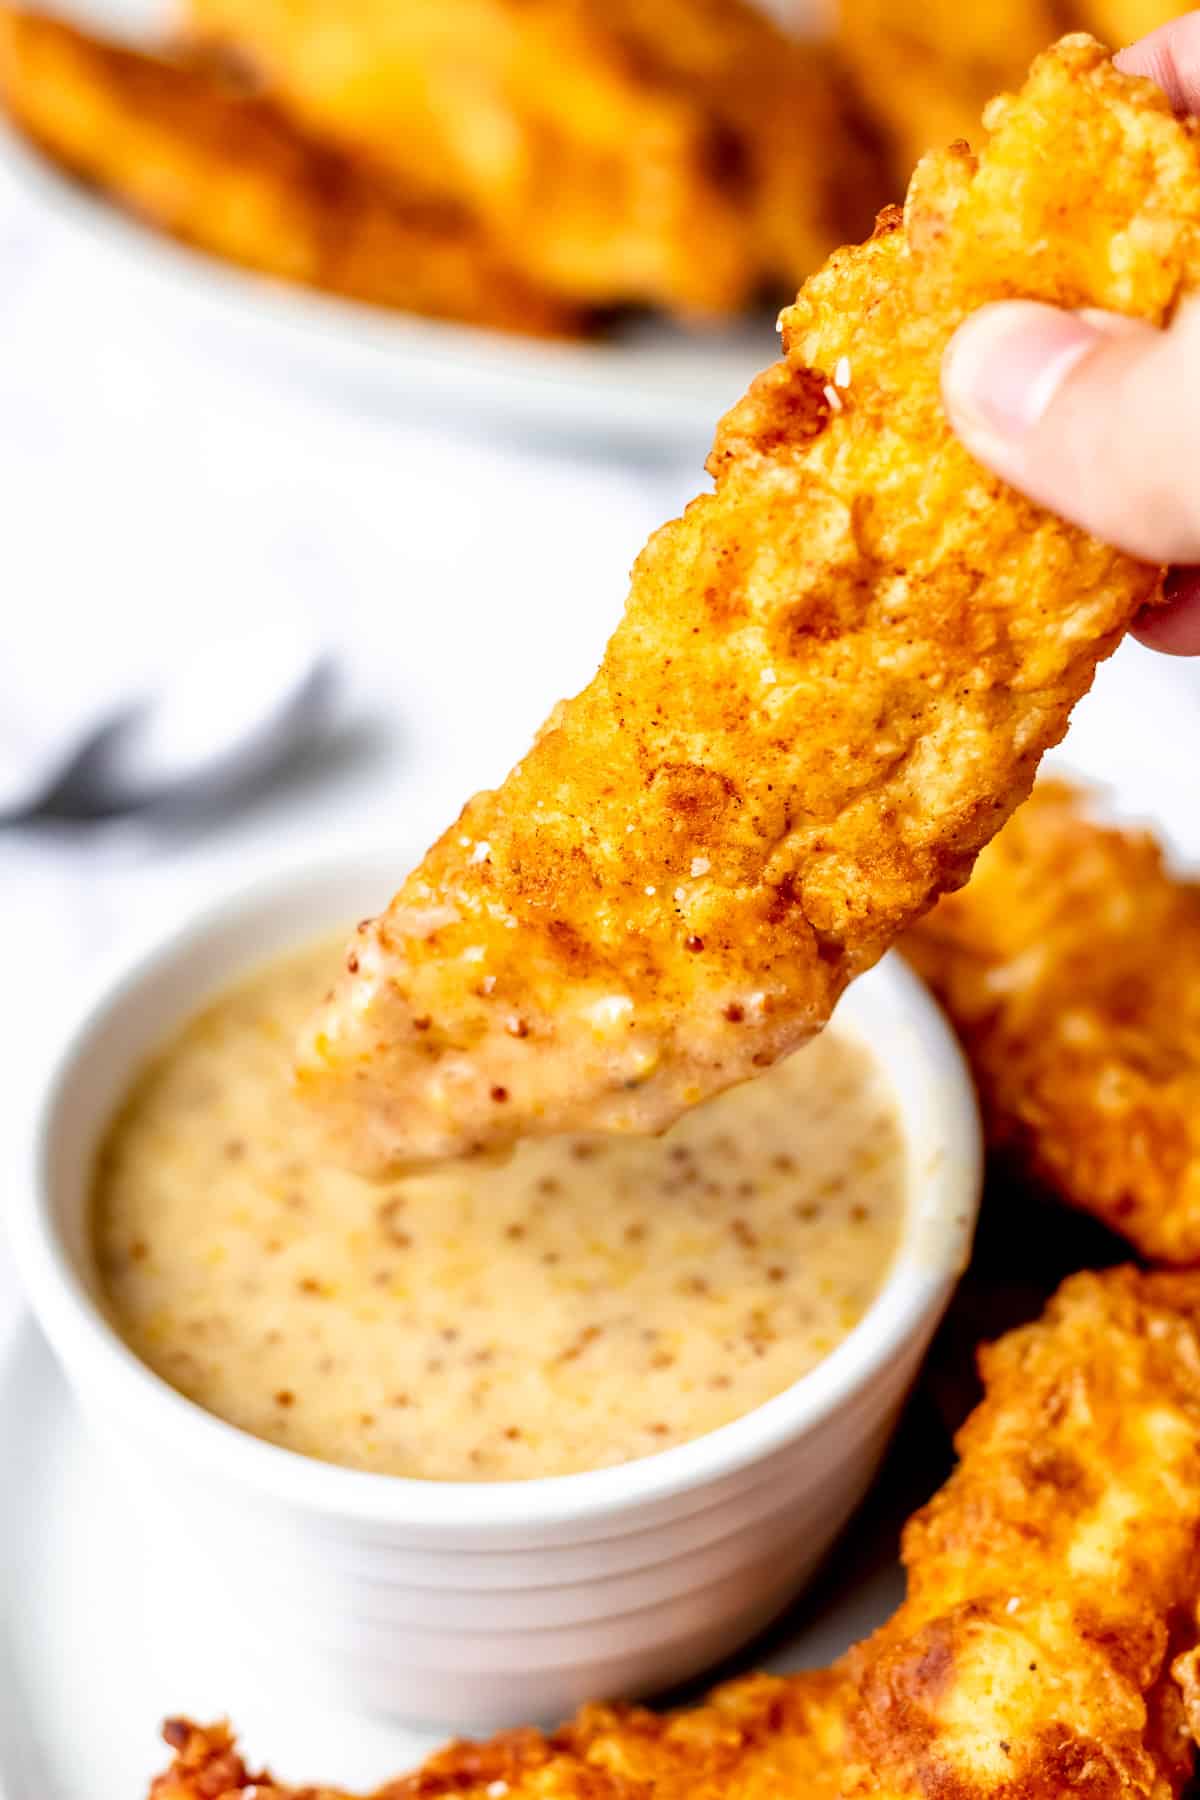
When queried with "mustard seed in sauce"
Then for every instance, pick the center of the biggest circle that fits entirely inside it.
(588, 1302)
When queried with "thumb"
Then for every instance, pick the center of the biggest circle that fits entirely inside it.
(1091, 414)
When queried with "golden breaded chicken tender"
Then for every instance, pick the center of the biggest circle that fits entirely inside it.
(1052, 1591)
(1054, 1580)
(677, 153)
(1070, 968)
(232, 176)
(833, 682)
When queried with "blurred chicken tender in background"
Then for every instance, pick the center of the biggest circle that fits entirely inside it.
(228, 174)
(926, 68)
(675, 153)
(531, 165)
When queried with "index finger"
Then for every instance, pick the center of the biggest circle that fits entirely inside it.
(1170, 56)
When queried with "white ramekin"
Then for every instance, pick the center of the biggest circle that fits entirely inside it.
(480, 1604)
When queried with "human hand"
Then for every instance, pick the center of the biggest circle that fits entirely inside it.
(1094, 415)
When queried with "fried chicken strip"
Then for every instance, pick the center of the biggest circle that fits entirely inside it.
(762, 1736)
(833, 682)
(232, 176)
(1055, 1577)
(926, 68)
(1051, 1583)
(667, 152)
(1070, 968)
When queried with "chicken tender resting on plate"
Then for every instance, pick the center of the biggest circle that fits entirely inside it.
(232, 176)
(833, 682)
(1070, 967)
(764, 1736)
(1052, 1590)
(677, 153)
(1053, 1582)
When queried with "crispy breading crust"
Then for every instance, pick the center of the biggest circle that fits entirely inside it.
(1051, 1583)
(833, 682)
(762, 1736)
(1054, 1578)
(670, 152)
(231, 175)
(1070, 968)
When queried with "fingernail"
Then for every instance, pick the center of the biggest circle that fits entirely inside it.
(1181, 584)
(1003, 367)
(1173, 625)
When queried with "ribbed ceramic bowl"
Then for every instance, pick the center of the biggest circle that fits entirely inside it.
(479, 1604)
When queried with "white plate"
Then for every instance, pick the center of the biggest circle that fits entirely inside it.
(651, 386)
(101, 1644)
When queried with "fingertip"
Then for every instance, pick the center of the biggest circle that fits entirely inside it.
(1169, 57)
(1173, 625)
(1090, 414)
(1001, 368)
